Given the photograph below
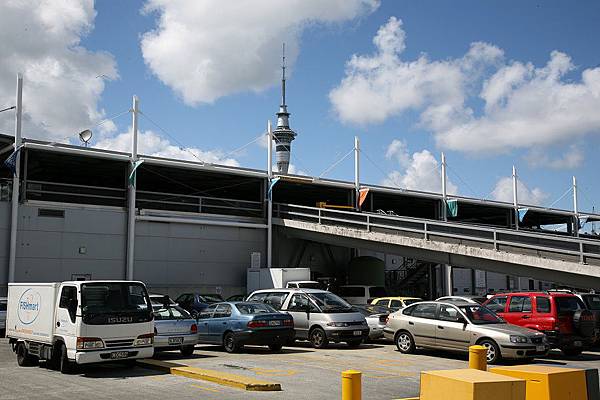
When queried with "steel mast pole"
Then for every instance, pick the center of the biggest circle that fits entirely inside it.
(12, 260)
(575, 206)
(515, 197)
(269, 195)
(131, 192)
(356, 172)
(444, 189)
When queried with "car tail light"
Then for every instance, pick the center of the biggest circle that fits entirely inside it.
(288, 322)
(144, 340)
(89, 343)
(257, 324)
(194, 328)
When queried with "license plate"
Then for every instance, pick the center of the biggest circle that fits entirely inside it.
(175, 340)
(577, 343)
(119, 354)
(357, 333)
(540, 348)
(274, 323)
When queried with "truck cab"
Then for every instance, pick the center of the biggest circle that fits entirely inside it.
(79, 322)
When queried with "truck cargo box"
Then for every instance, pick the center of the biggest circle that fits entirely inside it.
(30, 311)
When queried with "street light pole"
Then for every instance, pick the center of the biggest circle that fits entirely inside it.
(269, 195)
(16, 184)
(131, 193)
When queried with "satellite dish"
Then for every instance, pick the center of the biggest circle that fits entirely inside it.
(85, 136)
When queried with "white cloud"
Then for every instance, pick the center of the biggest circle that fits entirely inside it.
(208, 49)
(571, 157)
(63, 81)
(523, 106)
(152, 144)
(421, 171)
(503, 191)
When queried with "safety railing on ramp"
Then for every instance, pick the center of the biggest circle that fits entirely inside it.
(526, 242)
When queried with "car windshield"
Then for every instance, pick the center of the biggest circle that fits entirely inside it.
(255, 308)
(329, 302)
(408, 302)
(212, 298)
(480, 315)
(591, 300)
(170, 312)
(567, 304)
(114, 303)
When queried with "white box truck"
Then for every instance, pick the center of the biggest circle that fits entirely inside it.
(80, 322)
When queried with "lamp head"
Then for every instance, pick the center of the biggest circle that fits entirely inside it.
(85, 136)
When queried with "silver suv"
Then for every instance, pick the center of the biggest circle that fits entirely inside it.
(456, 326)
(319, 316)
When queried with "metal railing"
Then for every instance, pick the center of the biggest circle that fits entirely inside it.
(199, 204)
(539, 244)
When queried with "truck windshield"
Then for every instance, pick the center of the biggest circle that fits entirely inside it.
(107, 303)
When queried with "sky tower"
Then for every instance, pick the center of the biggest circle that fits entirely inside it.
(283, 135)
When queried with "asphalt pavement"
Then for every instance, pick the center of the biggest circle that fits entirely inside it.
(303, 372)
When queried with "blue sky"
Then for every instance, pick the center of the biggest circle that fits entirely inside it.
(526, 32)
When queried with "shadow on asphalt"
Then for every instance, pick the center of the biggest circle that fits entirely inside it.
(109, 370)
(252, 350)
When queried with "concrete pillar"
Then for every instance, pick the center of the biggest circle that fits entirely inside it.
(448, 284)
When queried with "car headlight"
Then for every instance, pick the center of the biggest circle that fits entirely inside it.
(144, 340)
(338, 324)
(518, 339)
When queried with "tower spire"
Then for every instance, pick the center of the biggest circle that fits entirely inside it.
(283, 75)
(283, 135)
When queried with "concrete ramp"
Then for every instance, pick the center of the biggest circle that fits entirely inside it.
(545, 257)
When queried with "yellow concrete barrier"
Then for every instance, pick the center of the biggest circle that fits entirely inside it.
(221, 378)
(351, 385)
(470, 384)
(548, 383)
(478, 357)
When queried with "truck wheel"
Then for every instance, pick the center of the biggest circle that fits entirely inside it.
(24, 359)
(65, 365)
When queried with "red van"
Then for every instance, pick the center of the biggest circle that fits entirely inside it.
(562, 316)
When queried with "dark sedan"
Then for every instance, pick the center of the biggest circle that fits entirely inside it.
(196, 302)
(235, 324)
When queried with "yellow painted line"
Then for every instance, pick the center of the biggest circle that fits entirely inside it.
(221, 378)
(207, 389)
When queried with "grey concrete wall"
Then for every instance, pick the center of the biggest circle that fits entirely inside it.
(173, 258)
(87, 241)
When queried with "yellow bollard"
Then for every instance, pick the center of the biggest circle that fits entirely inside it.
(351, 385)
(478, 358)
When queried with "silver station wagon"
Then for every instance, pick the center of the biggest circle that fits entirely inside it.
(456, 326)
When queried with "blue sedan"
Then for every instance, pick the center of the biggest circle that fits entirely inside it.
(235, 324)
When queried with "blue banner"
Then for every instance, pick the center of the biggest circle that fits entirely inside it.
(270, 192)
(11, 161)
(522, 212)
(452, 207)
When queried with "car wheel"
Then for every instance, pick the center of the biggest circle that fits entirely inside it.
(318, 338)
(354, 343)
(23, 357)
(65, 366)
(187, 350)
(571, 352)
(230, 344)
(405, 342)
(276, 346)
(493, 351)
